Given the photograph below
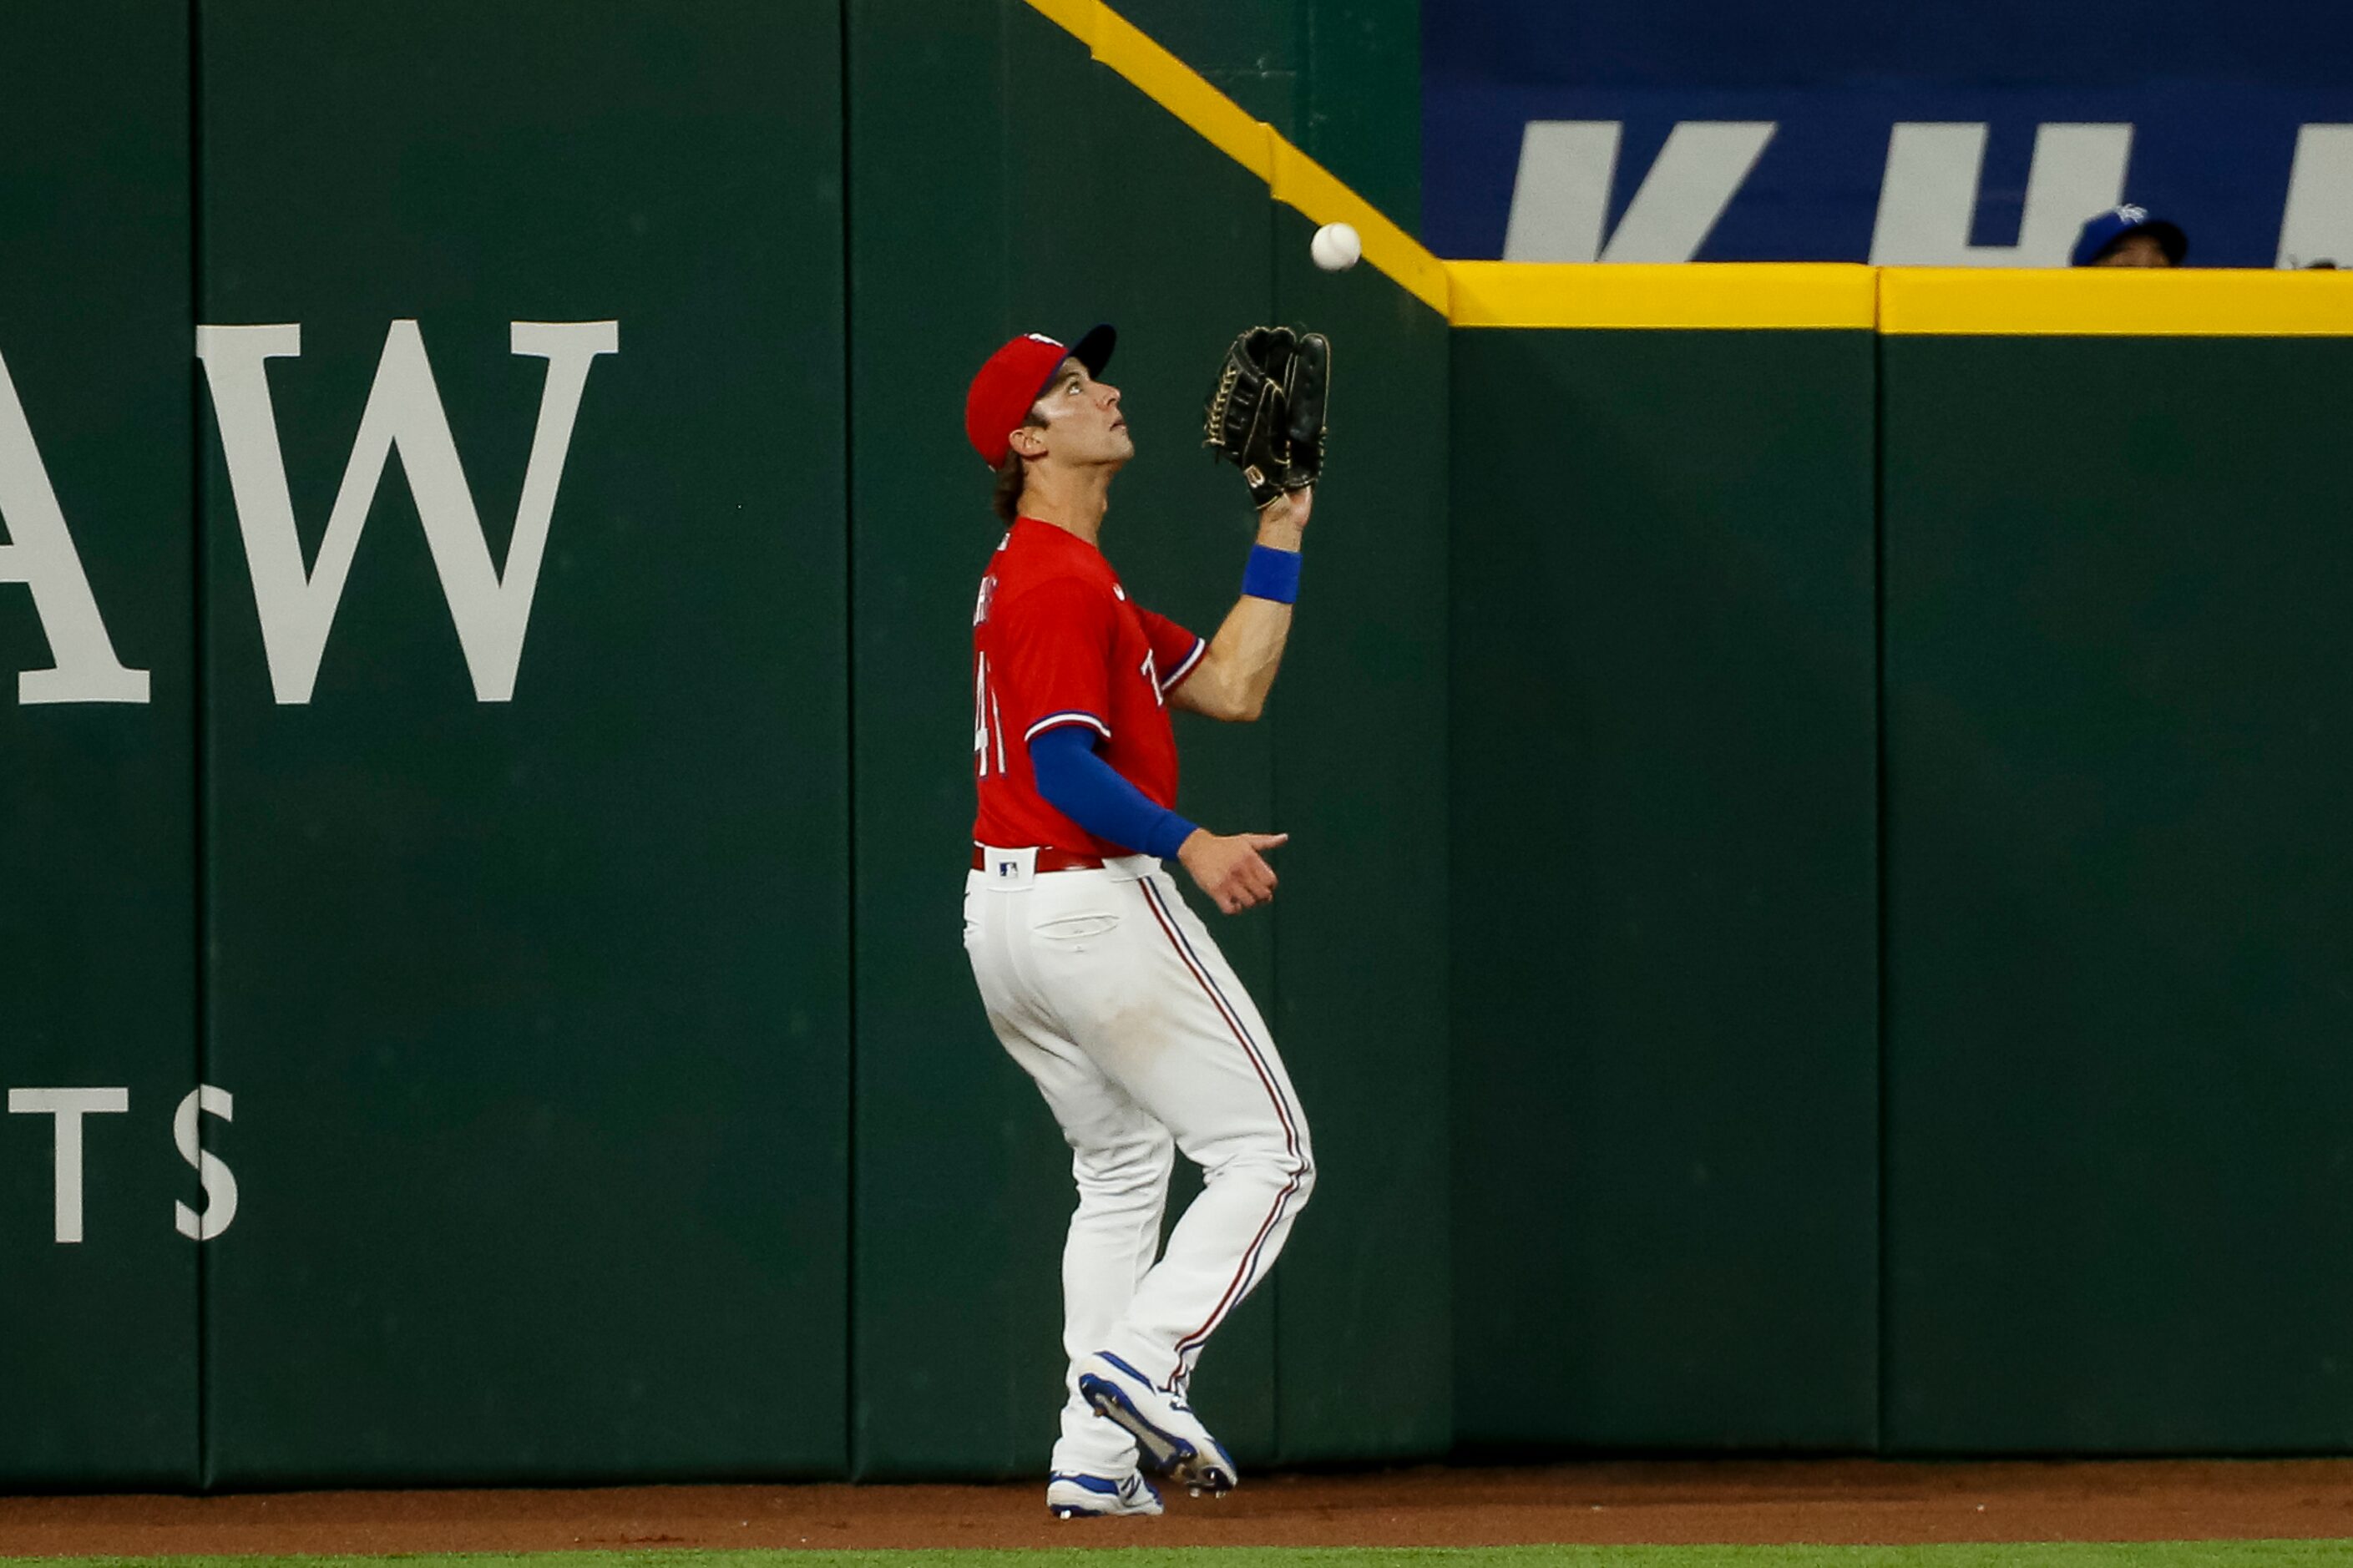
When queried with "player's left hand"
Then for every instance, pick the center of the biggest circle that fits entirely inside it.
(1290, 508)
(1265, 413)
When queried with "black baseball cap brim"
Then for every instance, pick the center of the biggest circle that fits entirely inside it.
(1092, 350)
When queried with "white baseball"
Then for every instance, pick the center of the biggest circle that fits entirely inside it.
(1335, 247)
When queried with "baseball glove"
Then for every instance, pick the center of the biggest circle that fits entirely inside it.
(1265, 415)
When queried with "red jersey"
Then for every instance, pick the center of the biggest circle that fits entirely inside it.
(1056, 640)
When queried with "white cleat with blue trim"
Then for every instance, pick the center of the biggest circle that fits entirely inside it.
(1170, 1437)
(1070, 1495)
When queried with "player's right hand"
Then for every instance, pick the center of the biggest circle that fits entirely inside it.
(1230, 866)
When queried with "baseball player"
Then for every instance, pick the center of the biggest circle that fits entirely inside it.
(1097, 978)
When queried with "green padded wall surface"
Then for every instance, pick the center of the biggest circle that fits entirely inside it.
(1083, 202)
(1663, 1003)
(98, 1337)
(2119, 608)
(536, 1009)
(1359, 723)
(1341, 79)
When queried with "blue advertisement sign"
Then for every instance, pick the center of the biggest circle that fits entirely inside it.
(1939, 133)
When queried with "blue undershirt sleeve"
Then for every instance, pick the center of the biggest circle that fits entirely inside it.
(1090, 792)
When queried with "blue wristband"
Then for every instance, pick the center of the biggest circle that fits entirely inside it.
(1271, 574)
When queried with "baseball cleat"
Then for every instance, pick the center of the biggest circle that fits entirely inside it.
(1171, 1438)
(1072, 1496)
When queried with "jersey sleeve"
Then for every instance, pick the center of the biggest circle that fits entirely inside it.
(1055, 647)
(1174, 650)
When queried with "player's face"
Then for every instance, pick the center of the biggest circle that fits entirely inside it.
(2136, 250)
(1084, 426)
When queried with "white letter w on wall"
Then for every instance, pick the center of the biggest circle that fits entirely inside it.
(492, 608)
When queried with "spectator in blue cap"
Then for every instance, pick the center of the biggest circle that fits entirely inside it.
(2128, 236)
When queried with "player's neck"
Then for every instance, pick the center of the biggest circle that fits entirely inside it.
(1074, 502)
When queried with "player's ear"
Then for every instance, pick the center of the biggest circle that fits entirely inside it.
(1028, 440)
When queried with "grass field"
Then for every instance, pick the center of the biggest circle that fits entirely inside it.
(2121, 1554)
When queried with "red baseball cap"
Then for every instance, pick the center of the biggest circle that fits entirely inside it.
(1016, 376)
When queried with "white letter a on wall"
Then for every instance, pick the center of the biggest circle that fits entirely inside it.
(490, 608)
(40, 554)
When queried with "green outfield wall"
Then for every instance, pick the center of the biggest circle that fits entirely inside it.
(98, 1305)
(2118, 580)
(1813, 920)
(1340, 78)
(525, 953)
(1665, 1002)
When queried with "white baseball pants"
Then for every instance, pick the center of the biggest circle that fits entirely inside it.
(1109, 992)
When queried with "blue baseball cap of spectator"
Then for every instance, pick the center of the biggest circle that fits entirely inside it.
(2115, 222)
